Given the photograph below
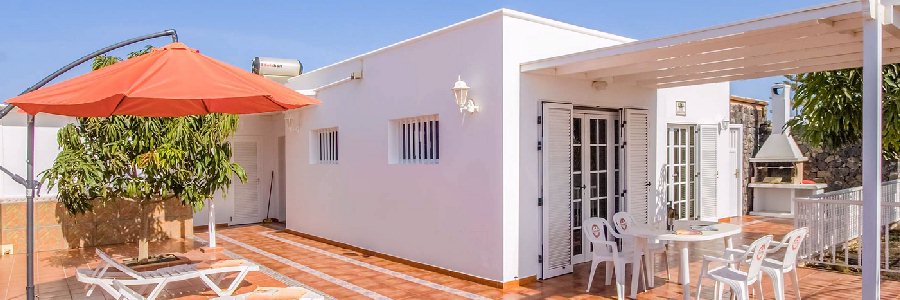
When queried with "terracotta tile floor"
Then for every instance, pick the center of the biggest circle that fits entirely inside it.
(341, 273)
(55, 279)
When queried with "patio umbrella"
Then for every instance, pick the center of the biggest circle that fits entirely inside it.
(170, 81)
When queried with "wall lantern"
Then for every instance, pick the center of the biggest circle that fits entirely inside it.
(461, 92)
(724, 124)
(291, 122)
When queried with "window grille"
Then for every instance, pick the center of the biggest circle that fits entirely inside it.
(417, 140)
(325, 145)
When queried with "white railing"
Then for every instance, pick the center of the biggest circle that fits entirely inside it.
(834, 220)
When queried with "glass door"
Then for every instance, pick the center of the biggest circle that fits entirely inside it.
(594, 170)
(681, 171)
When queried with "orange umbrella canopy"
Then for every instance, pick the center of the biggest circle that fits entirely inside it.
(170, 81)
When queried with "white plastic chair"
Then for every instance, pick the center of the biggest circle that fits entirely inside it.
(158, 279)
(730, 274)
(623, 221)
(606, 250)
(777, 269)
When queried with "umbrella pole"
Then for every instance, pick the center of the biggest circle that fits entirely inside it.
(212, 223)
(29, 198)
(30, 184)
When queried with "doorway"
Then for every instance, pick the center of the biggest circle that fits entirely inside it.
(736, 164)
(246, 195)
(595, 169)
(584, 152)
(681, 171)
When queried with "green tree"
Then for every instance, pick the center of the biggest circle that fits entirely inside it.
(142, 160)
(829, 108)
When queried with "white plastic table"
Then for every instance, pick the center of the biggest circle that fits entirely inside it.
(643, 234)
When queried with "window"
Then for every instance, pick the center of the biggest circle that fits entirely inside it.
(415, 140)
(324, 144)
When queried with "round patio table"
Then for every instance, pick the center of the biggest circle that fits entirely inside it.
(643, 234)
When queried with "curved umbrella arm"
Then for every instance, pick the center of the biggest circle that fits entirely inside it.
(29, 183)
(8, 108)
(66, 68)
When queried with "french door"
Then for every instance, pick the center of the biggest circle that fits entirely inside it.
(583, 156)
(681, 169)
(595, 170)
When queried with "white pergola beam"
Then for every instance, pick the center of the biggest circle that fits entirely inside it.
(872, 149)
(892, 58)
(754, 75)
(766, 42)
(712, 44)
(796, 53)
(762, 47)
(774, 69)
(789, 56)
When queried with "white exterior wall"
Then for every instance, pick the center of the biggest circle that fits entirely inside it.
(526, 40)
(447, 214)
(706, 104)
(479, 213)
(12, 149)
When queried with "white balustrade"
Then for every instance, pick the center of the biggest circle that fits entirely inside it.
(834, 220)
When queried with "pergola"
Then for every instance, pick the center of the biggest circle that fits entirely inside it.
(828, 37)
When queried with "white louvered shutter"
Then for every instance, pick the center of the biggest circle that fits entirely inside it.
(636, 130)
(556, 211)
(708, 167)
(246, 195)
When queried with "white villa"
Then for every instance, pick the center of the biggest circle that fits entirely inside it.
(390, 163)
(494, 191)
(478, 150)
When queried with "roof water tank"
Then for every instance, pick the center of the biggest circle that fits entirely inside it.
(270, 66)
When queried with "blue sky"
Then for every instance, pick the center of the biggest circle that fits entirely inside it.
(41, 36)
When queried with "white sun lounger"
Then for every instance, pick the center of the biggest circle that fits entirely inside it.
(297, 293)
(157, 279)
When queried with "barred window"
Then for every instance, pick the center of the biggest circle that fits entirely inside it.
(416, 140)
(325, 145)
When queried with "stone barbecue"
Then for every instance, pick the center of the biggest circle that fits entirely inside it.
(778, 165)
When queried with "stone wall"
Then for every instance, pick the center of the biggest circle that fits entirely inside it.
(839, 168)
(113, 222)
(751, 114)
